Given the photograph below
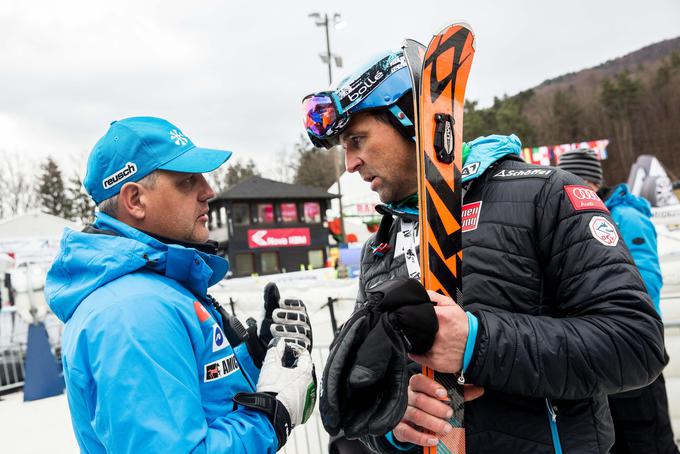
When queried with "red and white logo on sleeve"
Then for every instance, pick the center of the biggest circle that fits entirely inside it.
(604, 231)
(584, 198)
(470, 216)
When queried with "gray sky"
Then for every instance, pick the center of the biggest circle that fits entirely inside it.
(231, 74)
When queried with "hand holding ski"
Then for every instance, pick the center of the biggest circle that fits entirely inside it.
(426, 410)
(448, 349)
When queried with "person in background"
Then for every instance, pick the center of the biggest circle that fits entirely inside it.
(641, 418)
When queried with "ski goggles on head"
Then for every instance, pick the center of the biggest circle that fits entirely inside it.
(327, 113)
(323, 118)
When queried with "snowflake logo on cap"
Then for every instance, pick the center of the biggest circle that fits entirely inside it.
(178, 137)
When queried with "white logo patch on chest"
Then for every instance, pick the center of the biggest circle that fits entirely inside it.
(603, 231)
(219, 341)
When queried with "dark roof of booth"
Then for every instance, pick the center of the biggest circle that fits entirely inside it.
(257, 188)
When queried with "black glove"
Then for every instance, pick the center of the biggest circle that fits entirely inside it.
(271, 302)
(407, 314)
(287, 319)
(365, 382)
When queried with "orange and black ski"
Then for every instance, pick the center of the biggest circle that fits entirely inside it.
(439, 74)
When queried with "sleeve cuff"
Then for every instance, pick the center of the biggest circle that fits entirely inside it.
(473, 323)
(389, 436)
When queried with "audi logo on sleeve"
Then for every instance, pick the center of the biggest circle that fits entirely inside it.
(584, 198)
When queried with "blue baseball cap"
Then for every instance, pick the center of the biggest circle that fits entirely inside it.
(134, 147)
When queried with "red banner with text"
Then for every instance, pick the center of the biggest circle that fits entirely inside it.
(279, 237)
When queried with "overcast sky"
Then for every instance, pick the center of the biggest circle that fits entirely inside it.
(231, 74)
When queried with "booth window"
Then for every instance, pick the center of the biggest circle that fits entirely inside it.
(312, 212)
(315, 258)
(289, 212)
(269, 262)
(265, 213)
(240, 213)
(245, 264)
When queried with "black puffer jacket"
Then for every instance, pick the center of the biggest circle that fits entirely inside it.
(564, 319)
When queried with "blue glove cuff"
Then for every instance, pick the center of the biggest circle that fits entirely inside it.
(473, 324)
(389, 436)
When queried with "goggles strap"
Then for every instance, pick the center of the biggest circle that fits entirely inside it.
(401, 117)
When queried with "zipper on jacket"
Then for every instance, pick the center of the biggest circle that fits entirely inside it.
(552, 420)
(461, 379)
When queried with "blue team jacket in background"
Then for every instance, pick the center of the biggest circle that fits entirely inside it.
(631, 213)
(146, 363)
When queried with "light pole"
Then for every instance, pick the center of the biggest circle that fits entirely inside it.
(328, 58)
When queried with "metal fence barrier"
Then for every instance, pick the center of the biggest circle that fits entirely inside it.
(13, 338)
(310, 438)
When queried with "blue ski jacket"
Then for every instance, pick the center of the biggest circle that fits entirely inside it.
(631, 213)
(146, 362)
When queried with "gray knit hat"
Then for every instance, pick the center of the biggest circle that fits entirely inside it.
(582, 163)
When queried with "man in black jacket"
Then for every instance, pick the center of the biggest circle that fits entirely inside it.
(555, 314)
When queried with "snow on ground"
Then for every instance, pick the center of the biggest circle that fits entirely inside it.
(312, 287)
(44, 427)
(38, 427)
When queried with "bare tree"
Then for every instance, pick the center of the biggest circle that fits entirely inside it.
(284, 169)
(17, 194)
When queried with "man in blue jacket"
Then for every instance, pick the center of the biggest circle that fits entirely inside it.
(641, 420)
(150, 361)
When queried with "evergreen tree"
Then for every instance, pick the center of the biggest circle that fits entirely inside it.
(239, 172)
(81, 205)
(316, 167)
(478, 122)
(568, 117)
(621, 97)
(504, 117)
(510, 120)
(51, 191)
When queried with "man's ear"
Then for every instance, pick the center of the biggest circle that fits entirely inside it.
(131, 201)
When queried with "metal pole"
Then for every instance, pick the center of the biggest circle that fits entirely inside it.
(328, 49)
(336, 154)
(334, 322)
(231, 303)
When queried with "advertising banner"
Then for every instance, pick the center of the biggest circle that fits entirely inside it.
(279, 237)
(550, 155)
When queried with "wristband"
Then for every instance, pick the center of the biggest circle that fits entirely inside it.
(274, 410)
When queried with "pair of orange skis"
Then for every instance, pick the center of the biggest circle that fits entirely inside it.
(439, 74)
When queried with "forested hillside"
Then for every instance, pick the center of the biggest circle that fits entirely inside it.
(634, 101)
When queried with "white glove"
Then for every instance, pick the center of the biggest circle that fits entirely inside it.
(288, 373)
(291, 322)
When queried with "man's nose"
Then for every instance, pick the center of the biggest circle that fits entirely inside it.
(206, 192)
(352, 161)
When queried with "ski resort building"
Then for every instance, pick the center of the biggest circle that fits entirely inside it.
(266, 227)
